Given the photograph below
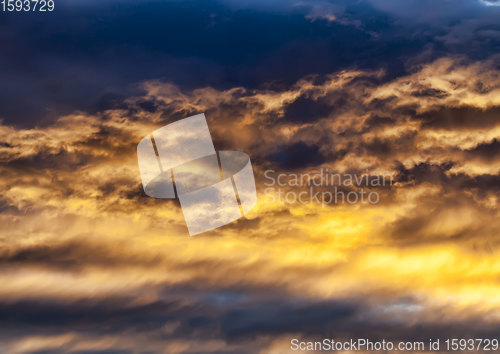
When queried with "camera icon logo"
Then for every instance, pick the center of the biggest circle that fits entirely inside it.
(214, 188)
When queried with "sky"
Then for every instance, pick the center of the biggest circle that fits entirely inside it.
(407, 89)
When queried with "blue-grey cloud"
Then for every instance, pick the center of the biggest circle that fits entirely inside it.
(87, 55)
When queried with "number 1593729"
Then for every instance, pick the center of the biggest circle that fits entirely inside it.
(27, 5)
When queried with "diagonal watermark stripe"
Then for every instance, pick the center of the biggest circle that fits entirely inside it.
(180, 160)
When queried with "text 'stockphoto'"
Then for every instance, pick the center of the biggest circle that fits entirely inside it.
(232, 176)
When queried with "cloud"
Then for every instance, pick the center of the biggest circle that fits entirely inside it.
(321, 11)
(490, 2)
(188, 45)
(90, 263)
(487, 151)
(298, 155)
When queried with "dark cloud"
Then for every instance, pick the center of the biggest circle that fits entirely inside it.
(86, 54)
(105, 316)
(244, 326)
(71, 256)
(306, 110)
(193, 320)
(59, 160)
(439, 175)
(376, 121)
(424, 172)
(459, 117)
(487, 151)
(297, 156)
(384, 148)
(482, 183)
(429, 92)
(6, 208)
